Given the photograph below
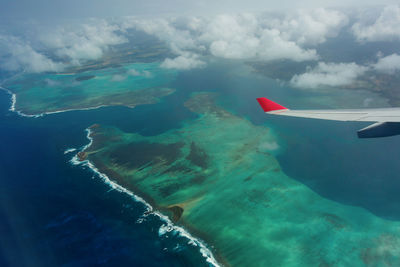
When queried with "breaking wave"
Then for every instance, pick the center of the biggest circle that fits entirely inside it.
(168, 226)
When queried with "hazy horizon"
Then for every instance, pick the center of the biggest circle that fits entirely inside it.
(44, 10)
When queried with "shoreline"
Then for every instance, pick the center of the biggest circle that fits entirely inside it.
(168, 225)
(20, 113)
(13, 98)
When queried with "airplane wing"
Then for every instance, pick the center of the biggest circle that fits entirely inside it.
(387, 119)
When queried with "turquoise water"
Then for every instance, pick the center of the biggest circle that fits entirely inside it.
(325, 156)
(111, 86)
(55, 214)
(220, 171)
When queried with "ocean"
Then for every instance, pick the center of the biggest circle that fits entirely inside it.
(327, 156)
(53, 213)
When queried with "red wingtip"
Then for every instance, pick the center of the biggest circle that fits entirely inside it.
(268, 105)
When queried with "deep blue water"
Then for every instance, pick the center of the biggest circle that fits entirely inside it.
(55, 214)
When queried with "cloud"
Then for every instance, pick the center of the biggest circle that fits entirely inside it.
(68, 46)
(309, 26)
(384, 28)
(146, 73)
(289, 35)
(172, 31)
(118, 78)
(340, 74)
(130, 72)
(52, 83)
(186, 61)
(246, 36)
(85, 42)
(389, 64)
(133, 72)
(19, 56)
(329, 74)
(268, 146)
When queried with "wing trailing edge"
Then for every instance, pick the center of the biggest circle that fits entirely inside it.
(387, 120)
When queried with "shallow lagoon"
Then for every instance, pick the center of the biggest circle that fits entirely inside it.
(218, 177)
(125, 85)
(277, 206)
(53, 213)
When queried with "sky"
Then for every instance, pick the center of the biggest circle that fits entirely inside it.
(56, 9)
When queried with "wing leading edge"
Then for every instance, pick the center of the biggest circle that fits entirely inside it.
(388, 119)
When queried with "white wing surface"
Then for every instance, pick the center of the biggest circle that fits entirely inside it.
(372, 115)
(388, 119)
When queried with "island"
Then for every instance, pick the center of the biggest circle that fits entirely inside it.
(125, 85)
(217, 176)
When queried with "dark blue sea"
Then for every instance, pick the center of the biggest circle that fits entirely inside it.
(53, 213)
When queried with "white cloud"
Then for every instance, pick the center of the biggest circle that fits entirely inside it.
(230, 36)
(246, 36)
(268, 146)
(179, 39)
(146, 73)
(68, 45)
(309, 26)
(85, 42)
(186, 61)
(274, 47)
(269, 36)
(243, 37)
(20, 56)
(133, 72)
(118, 78)
(329, 74)
(384, 28)
(388, 64)
(340, 74)
(52, 83)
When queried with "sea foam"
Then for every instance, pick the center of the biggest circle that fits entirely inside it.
(20, 113)
(168, 226)
(69, 150)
